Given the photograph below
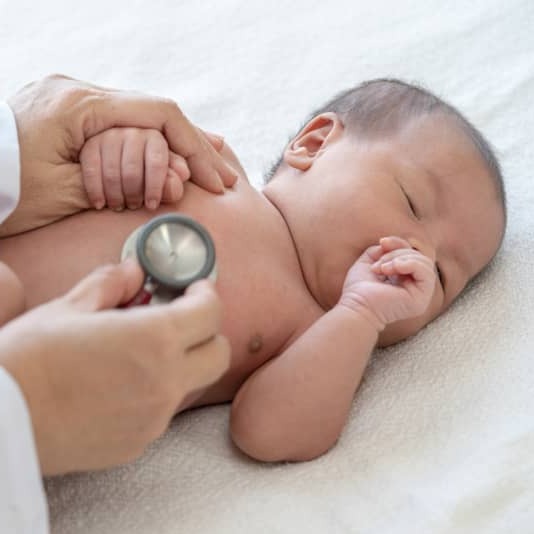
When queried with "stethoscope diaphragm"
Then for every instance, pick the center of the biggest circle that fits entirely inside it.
(174, 251)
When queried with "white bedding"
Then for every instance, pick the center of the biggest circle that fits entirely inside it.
(441, 435)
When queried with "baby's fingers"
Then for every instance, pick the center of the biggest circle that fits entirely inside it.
(401, 252)
(179, 166)
(177, 173)
(156, 167)
(91, 164)
(173, 190)
(133, 167)
(111, 144)
(415, 274)
(374, 253)
(393, 242)
(408, 265)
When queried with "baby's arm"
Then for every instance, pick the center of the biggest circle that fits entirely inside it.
(12, 292)
(295, 406)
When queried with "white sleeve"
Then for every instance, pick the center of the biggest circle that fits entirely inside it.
(23, 508)
(9, 162)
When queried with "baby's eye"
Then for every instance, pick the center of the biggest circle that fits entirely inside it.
(440, 276)
(409, 200)
(410, 203)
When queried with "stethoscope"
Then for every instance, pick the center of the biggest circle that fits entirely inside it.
(174, 251)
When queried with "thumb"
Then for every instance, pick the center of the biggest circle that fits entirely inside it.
(107, 287)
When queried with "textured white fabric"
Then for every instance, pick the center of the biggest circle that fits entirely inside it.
(441, 436)
(23, 507)
(9, 162)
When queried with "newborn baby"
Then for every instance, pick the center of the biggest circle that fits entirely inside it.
(380, 211)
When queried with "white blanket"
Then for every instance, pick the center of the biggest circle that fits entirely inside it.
(441, 435)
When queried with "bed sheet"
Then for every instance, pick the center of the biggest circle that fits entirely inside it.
(441, 434)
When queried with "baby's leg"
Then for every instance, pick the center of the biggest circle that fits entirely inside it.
(12, 301)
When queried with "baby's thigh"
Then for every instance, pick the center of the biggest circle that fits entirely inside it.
(13, 302)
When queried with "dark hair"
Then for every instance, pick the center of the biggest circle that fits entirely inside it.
(379, 107)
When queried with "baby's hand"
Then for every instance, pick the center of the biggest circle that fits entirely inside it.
(131, 166)
(391, 280)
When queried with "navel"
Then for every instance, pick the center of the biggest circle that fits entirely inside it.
(255, 344)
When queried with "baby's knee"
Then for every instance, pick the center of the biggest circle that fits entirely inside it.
(12, 300)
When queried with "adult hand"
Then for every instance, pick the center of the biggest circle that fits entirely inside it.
(102, 383)
(56, 115)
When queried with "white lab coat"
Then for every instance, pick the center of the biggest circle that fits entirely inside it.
(23, 507)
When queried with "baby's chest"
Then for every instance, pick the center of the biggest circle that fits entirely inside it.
(263, 306)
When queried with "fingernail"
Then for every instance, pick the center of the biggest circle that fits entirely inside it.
(118, 208)
(99, 204)
(152, 204)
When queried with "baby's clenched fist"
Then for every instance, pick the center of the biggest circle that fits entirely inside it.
(129, 167)
(390, 282)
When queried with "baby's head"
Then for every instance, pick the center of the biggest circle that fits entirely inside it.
(389, 158)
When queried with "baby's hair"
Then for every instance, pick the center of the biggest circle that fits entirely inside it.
(383, 106)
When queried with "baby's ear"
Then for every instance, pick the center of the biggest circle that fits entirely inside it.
(306, 146)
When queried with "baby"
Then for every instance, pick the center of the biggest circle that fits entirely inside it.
(380, 211)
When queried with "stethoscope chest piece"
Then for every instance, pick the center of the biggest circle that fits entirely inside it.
(174, 251)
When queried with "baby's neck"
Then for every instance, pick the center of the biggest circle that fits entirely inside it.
(281, 214)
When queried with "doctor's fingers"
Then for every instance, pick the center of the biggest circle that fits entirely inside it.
(204, 364)
(192, 319)
(94, 110)
(216, 140)
(106, 287)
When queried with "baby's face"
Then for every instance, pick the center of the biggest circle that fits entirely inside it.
(427, 184)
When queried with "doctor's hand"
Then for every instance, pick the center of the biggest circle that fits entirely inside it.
(102, 383)
(57, 115)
